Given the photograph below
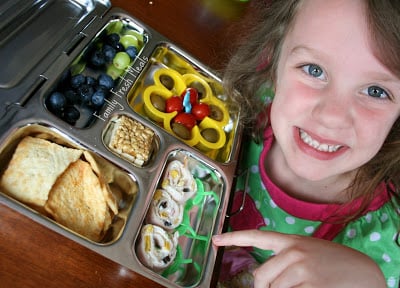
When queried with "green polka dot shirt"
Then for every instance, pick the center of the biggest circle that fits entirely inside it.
(266, 207)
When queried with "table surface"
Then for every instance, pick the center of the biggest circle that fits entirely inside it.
(35, 256)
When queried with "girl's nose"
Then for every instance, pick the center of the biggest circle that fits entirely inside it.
(333, 110)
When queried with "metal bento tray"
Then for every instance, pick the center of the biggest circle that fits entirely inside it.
(155, 189)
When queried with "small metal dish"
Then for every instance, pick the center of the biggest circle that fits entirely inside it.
(168, 73)
(200, 212)
(122, 184)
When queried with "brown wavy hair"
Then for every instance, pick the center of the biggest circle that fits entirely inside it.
(256, 57)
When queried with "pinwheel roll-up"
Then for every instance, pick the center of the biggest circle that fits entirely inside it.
(178, 181)
(165, 211)
(157, 248)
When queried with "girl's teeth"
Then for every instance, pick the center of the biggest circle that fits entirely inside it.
(316, 145)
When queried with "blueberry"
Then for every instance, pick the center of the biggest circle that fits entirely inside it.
(77, 80)
(72, 97)
(109, 52)
(65, 80)
(97, 58)
(90, 80)
(85, 92)
(56, 101)
(71, 114)
(119, 47)
(98, 98)
(132, 51)
(112, 39)
(106, 90)
(106, 81)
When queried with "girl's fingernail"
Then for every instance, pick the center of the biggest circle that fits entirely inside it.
(216, 238)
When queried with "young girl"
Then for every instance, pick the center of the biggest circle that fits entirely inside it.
(322, 189)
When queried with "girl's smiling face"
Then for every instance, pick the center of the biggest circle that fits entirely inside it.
(335, 103)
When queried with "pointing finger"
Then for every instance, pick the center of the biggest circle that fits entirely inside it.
(266, 240)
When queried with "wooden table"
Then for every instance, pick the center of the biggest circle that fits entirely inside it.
(34, 256)
(204, 28)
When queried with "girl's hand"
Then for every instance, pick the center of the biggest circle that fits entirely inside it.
(302, 261)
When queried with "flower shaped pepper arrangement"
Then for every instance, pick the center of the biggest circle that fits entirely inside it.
(185, 106)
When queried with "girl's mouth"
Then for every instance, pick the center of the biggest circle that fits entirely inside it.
(323, 147)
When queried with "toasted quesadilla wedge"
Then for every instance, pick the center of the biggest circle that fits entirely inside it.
(34, 168)
(78, 201)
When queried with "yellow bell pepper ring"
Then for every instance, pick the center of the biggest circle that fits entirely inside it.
(151, 96)
(170, 80)
(203, 133)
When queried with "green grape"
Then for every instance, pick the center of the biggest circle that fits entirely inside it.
(113, 71)
(121, 60)
(78, 68)
(114, 27)
(129, 40)
(135, 33)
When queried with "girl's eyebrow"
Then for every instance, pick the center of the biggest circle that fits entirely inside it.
(298, 48)
(310, 52)
(301, 49)
(386, 77)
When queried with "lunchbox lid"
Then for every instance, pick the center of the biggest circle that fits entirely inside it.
(33, 34)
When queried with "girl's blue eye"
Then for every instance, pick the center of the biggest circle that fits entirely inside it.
(377, 92)
(314, 71)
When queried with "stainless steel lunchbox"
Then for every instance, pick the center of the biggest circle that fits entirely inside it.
(44, 42)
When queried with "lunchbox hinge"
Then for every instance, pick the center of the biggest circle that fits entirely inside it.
(12, 108)
(39, 82)
(74, 43)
